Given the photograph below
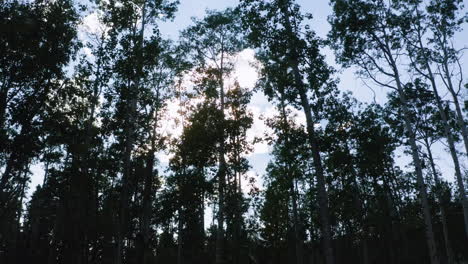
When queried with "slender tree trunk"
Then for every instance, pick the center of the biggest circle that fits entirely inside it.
(299, 246)
(145, 231)
(322, 192)
(4, 89)
(453, 153)
(52, 256)
(238, 218)
(3, 108)
(430, 238)
(443, 214)
(201, 220)
(219, 255)
(358, 203)
(460, 118)
(79, 201)
(180, 240)
(464, 132)
(391, 211)
(76, 204)
(297, 228)
(419, 176)
(447, 130)
(448, 81)
(321, 189)
(129, 142)
(145, 253)
(124, 193)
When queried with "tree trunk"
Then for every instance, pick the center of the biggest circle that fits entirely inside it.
(76, 208)
(297, 228)
(322, 192)
(299, 246)
(447, 132)
(145, 231)
(219, 254)
(361, 212)
(238, 218)
(321, 189)
(79, 202)
(464, 132)
(145, 253)
(3, 109)
(129, 142)
(443, 214)
(453, 153)
(419, 176)
(430, 239)
(459, 114)
(180, 240)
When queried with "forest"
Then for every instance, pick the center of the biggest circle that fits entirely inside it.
(144, 142)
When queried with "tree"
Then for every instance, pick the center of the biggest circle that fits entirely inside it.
(212, 43)
(364, 35)
(239, 120)
(444, 20)
(196, 155)
(422, 41)
(33, 57)
(288, 166)
(129, 21)
(275, 29)
(428, 131)
(144, 142)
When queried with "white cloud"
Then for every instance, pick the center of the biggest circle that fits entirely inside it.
(91, 23)
(259, 128)
(245, 72)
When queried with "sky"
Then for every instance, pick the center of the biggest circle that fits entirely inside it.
(246, 75)
(320, 9)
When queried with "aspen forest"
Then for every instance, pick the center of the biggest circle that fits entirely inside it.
(233, 131)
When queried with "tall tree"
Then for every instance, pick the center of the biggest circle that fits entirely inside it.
(134, 25)
(196, 156)
(284, 171)
(238, 121)
(428, 128)
(212, 43)
(423, 39)
(38, 41)
(445, 19)
(275, 28)
(364, 35)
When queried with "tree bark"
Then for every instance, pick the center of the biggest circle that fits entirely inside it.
(129, 142)
(447, 131)
(419, 176)
(180, 240)
(145, 253)
(385, 47)
(299, 246)
(464, 132)
(448, 81)
(443, 214)
(321, 189)
(219, 253)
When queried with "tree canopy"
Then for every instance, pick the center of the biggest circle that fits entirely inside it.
(146, 145)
